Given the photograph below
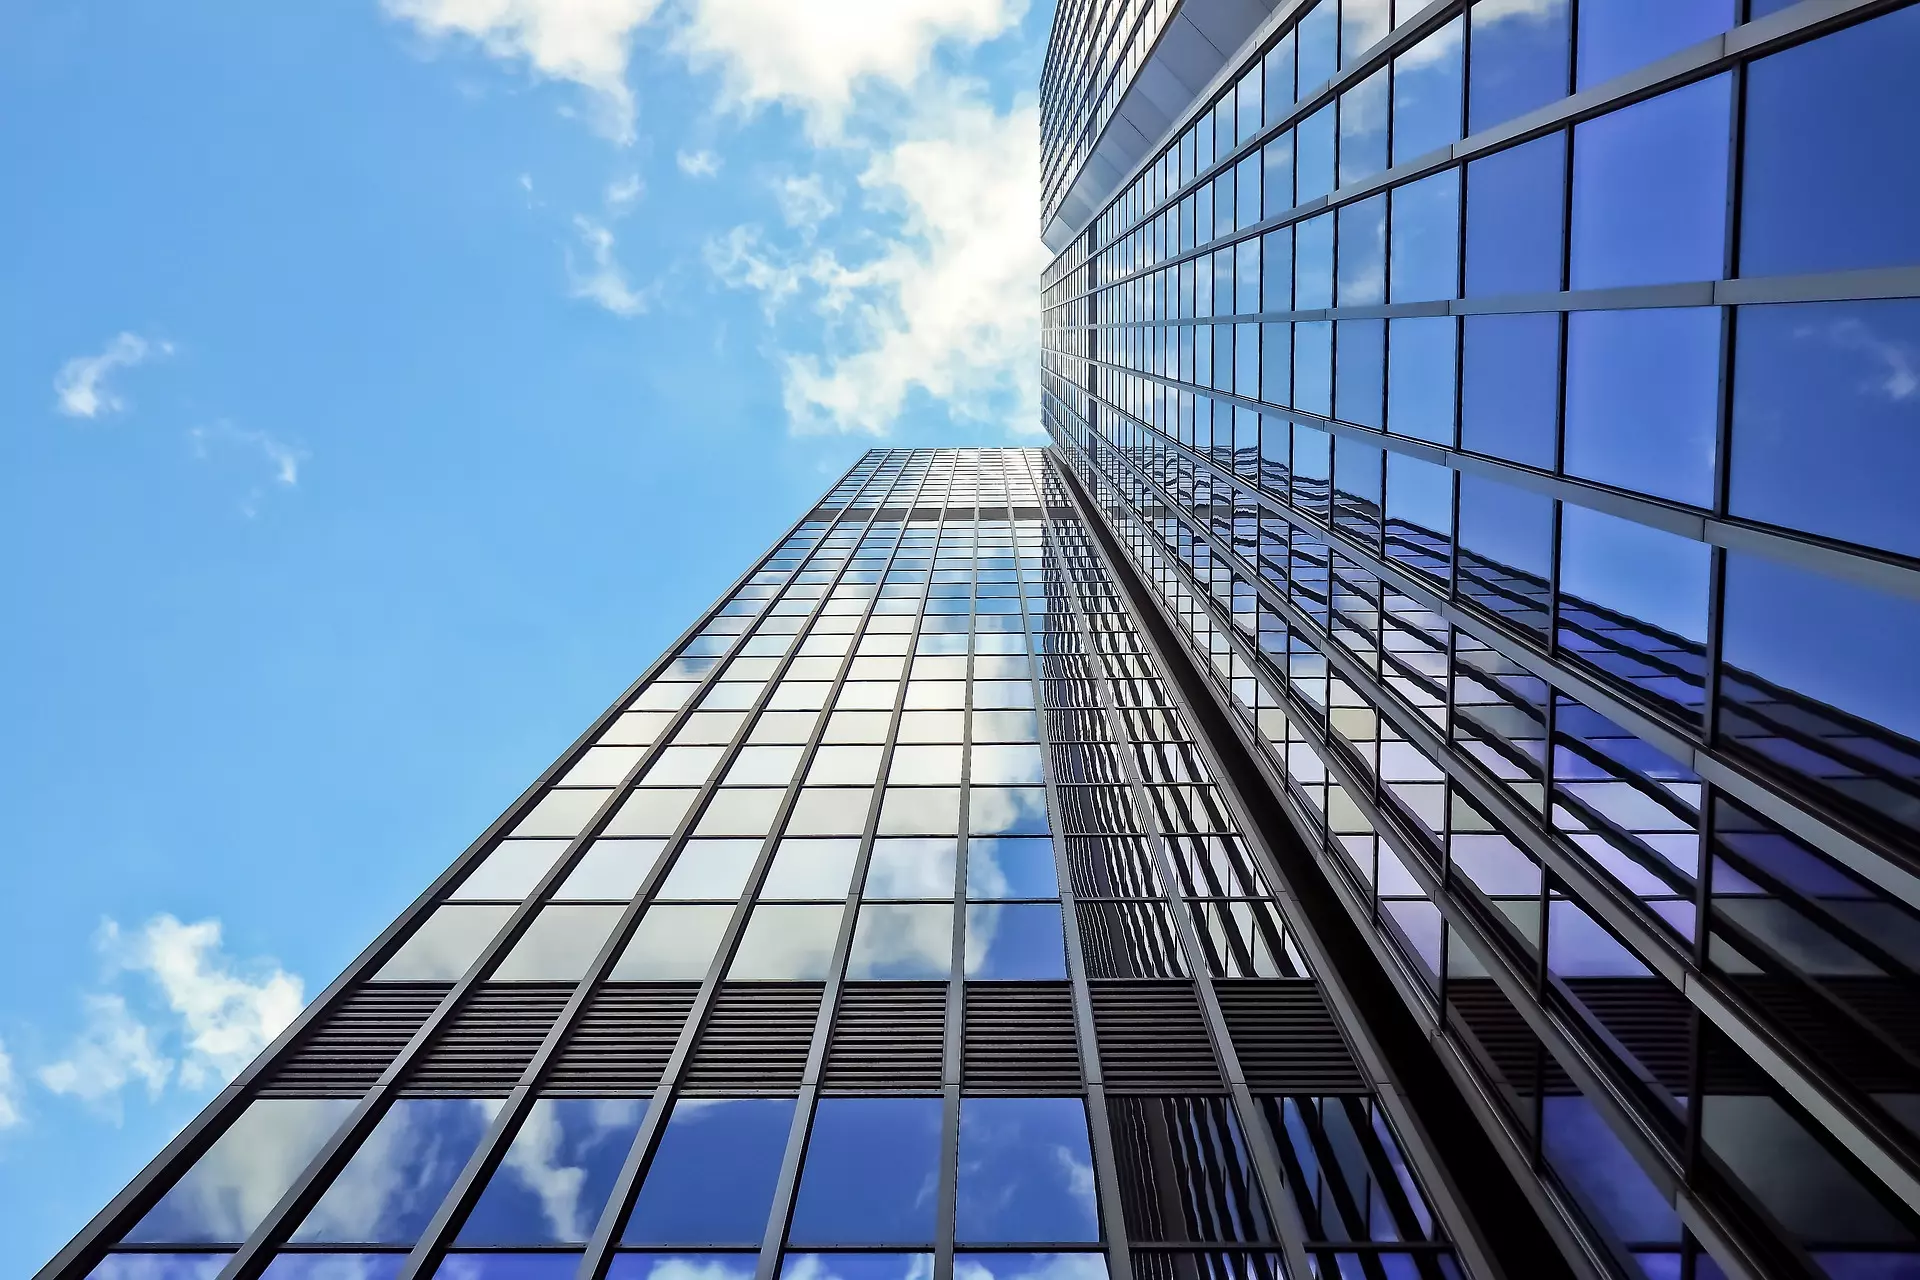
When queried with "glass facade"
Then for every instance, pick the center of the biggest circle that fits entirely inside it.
(1433, 376)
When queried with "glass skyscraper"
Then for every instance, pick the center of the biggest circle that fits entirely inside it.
(1418, 781)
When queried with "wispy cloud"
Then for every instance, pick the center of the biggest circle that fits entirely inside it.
(697, 164)
(601, 281)
(584, 42)
(282, 460)
(10, 1114)
(804, 200)
(81, 385)
(194, 1018)
(623, 193)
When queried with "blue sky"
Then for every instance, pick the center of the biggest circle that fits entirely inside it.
(382, 384)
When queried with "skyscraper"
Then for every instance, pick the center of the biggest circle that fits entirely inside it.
(1509, 408)
(1417, 781)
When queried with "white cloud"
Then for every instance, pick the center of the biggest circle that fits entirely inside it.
(813, 57)
(602, 281)
(283, 460)
(623, 193)
(804, 200)
(9, 1091)
(201, 1019)
(584, 42)
(81, 383)
(698, 164)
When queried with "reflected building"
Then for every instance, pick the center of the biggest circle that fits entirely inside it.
(1417, 782)
(1506, 405)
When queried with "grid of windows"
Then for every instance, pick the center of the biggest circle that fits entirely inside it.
(895, 926)
(1503, 403)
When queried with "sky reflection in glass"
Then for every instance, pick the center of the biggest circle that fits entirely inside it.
(872, 1173)
(1026, 1172)
(556, 1176)
(390, 1188)
(712, 1176)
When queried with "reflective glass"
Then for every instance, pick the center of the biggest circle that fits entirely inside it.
(1519, 59)
(445, 944)
(1425, 262)
(1830, 177)
(1031, 1266)
(893, 941)
(1359, 368)
(763, 767)
(857, 1266)
(1617, 36)
(920, 811)
(712, 1176)
(1362, 253)
(611, 869)
(650, 813)
(1510, 393)
(871, 1173)
(558, 945)
(1643, 398)
(160, 1266)
(811, 869)
(511, 869)
(557, 1174)
(1011, 869)
(1514, 199)
(1313, 263)
(1008, 764)
(787, 944)
(1826, 419)
(1022, 942)
(1026, 1172)
(229, 1190)
(1420, 374)
(487, 1266)
(682, 767)
(681, 1266)
(1650, 190)
(1007, 811)
(829, 811)
(393, 1184)
(849, 764)
(1313, 155)
(910, 869)
(1506, 548)
(560, 814)
(1363, 128)
(672, 943)
(1426, 94)
(1312, 371)
(1319, 36)
(710, 869)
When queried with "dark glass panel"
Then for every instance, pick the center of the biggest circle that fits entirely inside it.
(711, 1179)
(1184, 1171)
(555, 1177)
(1347, 1174)
(871, 1174)
(1602, 1175)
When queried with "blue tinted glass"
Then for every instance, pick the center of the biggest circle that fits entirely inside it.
(1426, 94)
(1246, 276)
(1313, 367)
(1642, 398)
(681, 1266)
(1616, 36)
(1246, 193)
(1363, 128)
(160, 1266)
(1276, 270)
(1007, 811)
(1650, 190)
(857, 1266)
(1419, 502)
(557, 1174)
(712, 1176)
(1519, 60)
(1313, 155)
(1506, 531)
(1246, 360)
(1360, 366)
(1021, 942)
(1313, 263)
(1826, 419)
(393, 1184)
(1026, 1172)
(489, 1266)
(1514, 201)
(1510, 387)
(230, 1189)
(1276, 363)
(1842, 644)
(1011, 869)
(1420, 367)
(1030, 1266)
(1319, 36)
(1276, 183)
(871, 1174)
(1649, 575)
(1426, 239)
(1278, 71)
(1362, 24)
(1831, 176)
(1587, 1155)
(355, 1266)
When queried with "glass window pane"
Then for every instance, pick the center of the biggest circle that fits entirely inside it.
(712, 1176)
(611, 869)
(1425, 264)
(682, 767)
(163, 1266)
(445, 944)
(1021, 942)
(740, 811)
(1363, 253)
(1618, 36)
(1650, 190)
(672, 943)
(1831, 178)
(811, 869)
(830, 811)
(920, 811)
(1005, 726)
(786, 944)
(1032, 1266)
(1008, 764)
(1420, 378)
(711, 869)
(1360, 358)
(1426, 94)
(1011, 869)
(1519, 60)
(1511, 388)
(464, 1266)
(561, 814)
(1313, 263)
(1642, 399)
(1826, 419)
(602, 767)
(910, 869)
(558, 945)
(1514, 199)
(871, 1174)
(557, 1174)
(763, 766)
(1007, 811)
(511, 869)
(848, 765)
(1313, 155)
(229, 1189)
(680, 1266)
(857, 1266)
(892, 941)
(1026, 1172)
(393, 1184)
(650, 813)
(1363, 128)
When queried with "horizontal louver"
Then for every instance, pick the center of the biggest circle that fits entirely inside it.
(887, 1035)
(1286, 1038)
(756, 1038)
(1153, 1038)
(490, 1039)
(622, 1041)
(349, 1045)
(1020, 1038)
